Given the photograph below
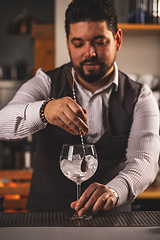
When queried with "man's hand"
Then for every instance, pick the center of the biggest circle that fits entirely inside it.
(67, 114)
(95, 197)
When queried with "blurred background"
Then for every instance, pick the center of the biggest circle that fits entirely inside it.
(32, 36)
(18, 48)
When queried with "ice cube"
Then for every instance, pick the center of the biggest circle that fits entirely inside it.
(92, 162)
(76, 157)
(72, 167)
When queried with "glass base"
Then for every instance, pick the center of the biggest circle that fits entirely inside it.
(86, 216)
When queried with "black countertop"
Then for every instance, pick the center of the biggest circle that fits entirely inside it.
(59, 226)
(103, 219)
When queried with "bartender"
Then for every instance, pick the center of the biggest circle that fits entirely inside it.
(118, 115)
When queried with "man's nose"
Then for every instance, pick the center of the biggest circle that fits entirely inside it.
(90, 51)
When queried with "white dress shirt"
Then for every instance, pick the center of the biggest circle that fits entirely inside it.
(20, 118)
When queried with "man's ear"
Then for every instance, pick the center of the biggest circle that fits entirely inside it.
(118, 39)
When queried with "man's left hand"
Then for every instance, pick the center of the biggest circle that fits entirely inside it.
(94, 198)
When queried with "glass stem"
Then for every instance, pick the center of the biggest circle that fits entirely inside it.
(78, 191)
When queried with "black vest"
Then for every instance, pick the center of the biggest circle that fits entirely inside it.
(50, 189)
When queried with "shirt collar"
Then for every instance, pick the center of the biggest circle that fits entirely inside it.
(115, 79)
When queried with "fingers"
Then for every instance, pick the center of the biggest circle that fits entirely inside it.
(63, 125)
(96, 197)
(73, 204)
(67, 114)
(105, 202)
(84, 110)
(72, 117)
(76, 109)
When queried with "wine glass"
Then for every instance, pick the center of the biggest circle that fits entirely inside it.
(71, 165)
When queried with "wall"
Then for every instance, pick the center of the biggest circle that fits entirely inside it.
(140, 53)
(61, 54)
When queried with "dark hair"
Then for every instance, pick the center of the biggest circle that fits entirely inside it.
(91, 10)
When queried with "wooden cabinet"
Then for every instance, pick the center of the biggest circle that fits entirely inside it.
(15, 197)
(44, 54)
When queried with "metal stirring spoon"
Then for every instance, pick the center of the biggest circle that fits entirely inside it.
(84, 164)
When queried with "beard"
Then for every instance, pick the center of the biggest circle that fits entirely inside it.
(93, 75)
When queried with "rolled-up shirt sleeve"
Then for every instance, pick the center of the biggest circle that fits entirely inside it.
(142, 152)
(20, 118)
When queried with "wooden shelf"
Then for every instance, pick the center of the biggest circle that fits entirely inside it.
(151, 193)
(16, 174)
(139, 27)
(22, 178)
(23, 191)
(15, 204)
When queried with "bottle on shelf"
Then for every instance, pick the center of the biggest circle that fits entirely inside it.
(158, 11)
(28, 150)
(144, 11)
(24, 151)
(155, 11)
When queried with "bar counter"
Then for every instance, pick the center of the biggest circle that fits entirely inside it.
(106, 225)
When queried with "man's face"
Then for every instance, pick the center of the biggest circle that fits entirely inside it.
(92, 49)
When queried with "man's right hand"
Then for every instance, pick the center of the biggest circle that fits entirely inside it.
(67, 114)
